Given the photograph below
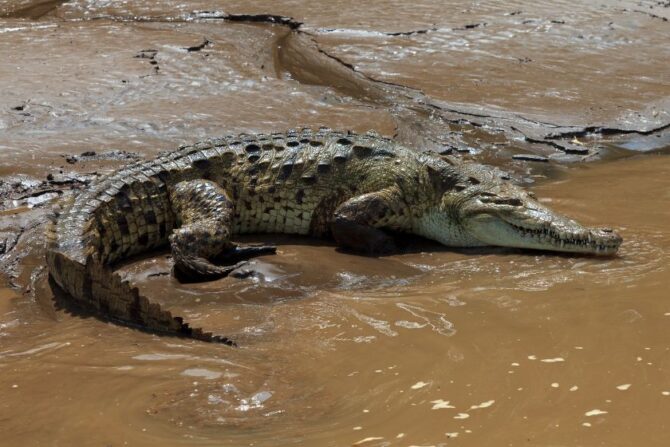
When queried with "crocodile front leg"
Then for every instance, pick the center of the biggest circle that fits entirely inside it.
(205, 213)
(358, 223)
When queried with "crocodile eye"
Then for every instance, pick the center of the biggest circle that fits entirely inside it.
(532, 195)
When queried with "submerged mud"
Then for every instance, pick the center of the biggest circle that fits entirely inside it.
(427, 347)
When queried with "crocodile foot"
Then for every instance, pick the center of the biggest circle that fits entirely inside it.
(244, 252)
(233, 263)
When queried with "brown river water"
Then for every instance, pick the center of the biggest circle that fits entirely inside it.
(430, 347)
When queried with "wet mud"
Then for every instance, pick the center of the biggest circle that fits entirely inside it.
(427, 347)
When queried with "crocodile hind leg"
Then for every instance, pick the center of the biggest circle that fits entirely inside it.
(205, 213)
(358, 223)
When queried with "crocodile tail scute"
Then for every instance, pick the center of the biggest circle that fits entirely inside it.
(116, 298)
(97, 287)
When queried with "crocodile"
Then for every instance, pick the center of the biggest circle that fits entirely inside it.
(359, 189)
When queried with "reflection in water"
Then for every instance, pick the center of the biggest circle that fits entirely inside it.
(496, 348)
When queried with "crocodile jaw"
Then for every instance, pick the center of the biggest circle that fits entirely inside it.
(532, 226)
(527, 225)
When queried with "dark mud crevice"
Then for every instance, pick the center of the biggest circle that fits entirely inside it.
(382, 33)
(40, 193)
(647, 13)
(411, 33)
(8, 241)
(408, 33)
(271, 19)
(205, 43)
(573, 149)
(470, 26)
(606, 131)
(530, 157)
(150, 56)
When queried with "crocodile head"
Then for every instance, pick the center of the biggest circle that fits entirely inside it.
(485, 209)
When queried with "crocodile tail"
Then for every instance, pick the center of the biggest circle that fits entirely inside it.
(97, 287)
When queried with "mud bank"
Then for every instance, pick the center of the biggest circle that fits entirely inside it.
(549, 104)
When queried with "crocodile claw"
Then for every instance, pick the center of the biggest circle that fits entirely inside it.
(248, 251)
(230, 262)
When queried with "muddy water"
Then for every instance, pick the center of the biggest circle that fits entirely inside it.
(425, 348)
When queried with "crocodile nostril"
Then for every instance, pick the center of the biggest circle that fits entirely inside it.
(493, 198)
(507, 201)
(607, 230)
